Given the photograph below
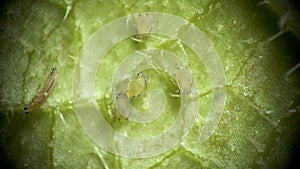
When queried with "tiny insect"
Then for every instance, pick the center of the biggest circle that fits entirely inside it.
(184, 78)
(121, 105)
(137, 85)
(44, 93)
(143, 24)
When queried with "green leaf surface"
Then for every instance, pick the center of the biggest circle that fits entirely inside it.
(259, 124)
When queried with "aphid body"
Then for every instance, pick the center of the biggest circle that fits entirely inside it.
(44, 93)
(137, 85)
(121, 105)
(143, 24)
(184, 78)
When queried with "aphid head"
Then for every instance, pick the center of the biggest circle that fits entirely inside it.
(143, 75)
(120, 95)
(26, 110)
(54, 69)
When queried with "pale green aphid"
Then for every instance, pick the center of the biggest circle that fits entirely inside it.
(143, 24)
(184, 78)
(137, 85)
(44, 93)
(120, 105)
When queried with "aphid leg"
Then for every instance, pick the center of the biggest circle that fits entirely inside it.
(72, 57)
(77, 24)
(281, 25)
(175, 95)
(69, 7)
(137, 40)
(109, 112)
(177, 92)
(112, 109)
(272, 38)
(181, 47)
(264, 2)
(67, 12)
(101, 158)
(56, 111)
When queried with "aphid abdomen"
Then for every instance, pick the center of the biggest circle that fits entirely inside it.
(137, 85)
(122, 105)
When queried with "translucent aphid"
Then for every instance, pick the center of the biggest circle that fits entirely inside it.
(121, 105)
(44, 93)
(143, 24)
(184, 78)
(137, 85)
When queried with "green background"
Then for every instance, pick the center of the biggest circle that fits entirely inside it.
(259, 126)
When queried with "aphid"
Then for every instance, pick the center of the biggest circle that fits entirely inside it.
(137, 85)
(121, 105)
(143, 24)
(184, 78)
(44, 93)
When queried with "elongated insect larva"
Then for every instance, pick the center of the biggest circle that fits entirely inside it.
(44, 93)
